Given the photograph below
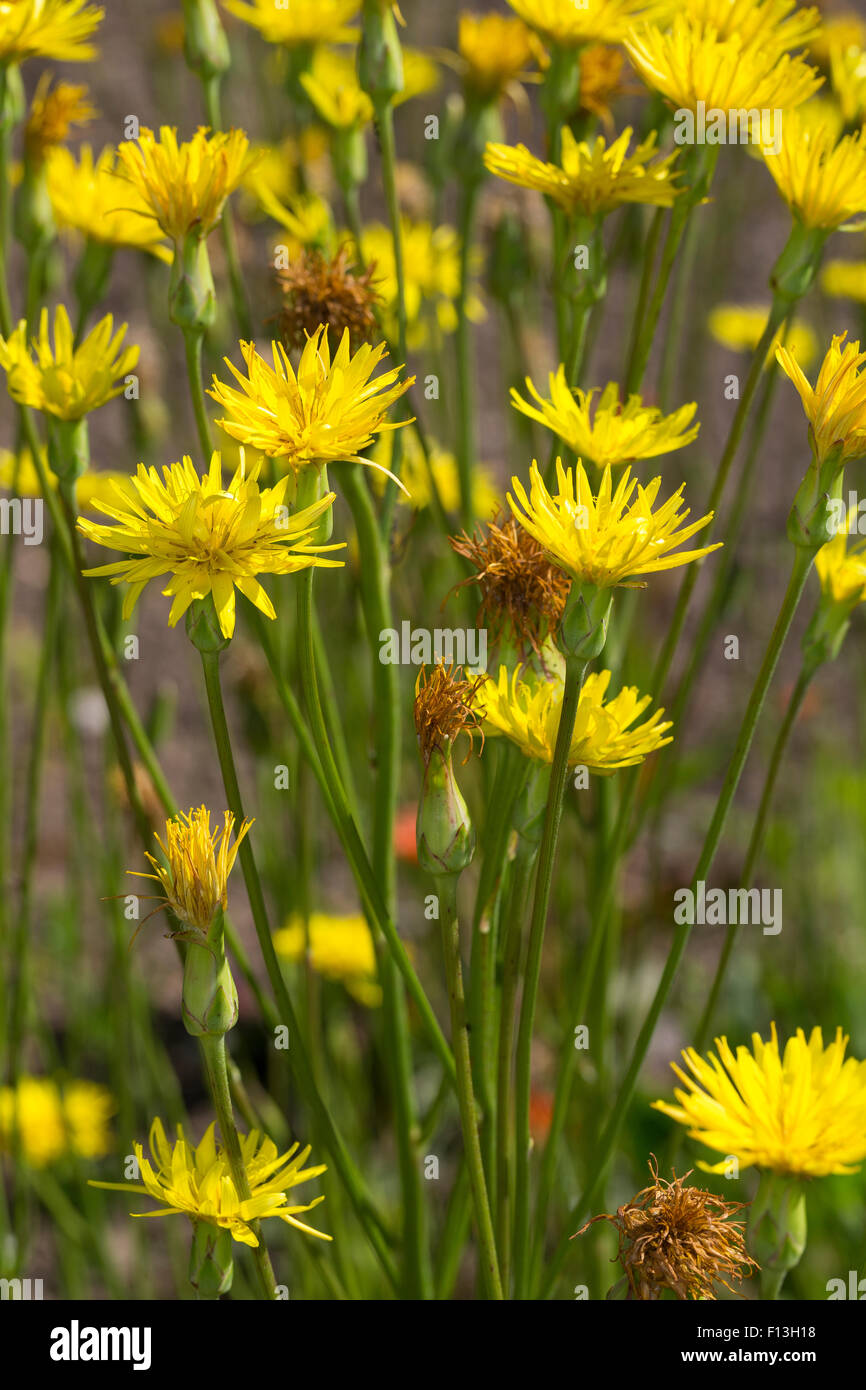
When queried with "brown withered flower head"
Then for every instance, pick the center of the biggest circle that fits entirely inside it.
(332, 290)
(522, 594)
(678, 1238)
(443, 709)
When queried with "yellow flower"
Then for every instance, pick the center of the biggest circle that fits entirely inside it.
(210, 538)
(690, 63)
(324, 412)
(801, 1113)
(845, 280)
(52, 112)
(610, 539)
(527, 712)
(186, 185)
(301, 22)
(198, 1180)
(594, 178)
(843, 30)
(431, 262)
(610, 433)
(340, 948)
(486, 497)
(194, 879)
(842, 572)
(823, 183)
(836, 407)
(18, 474)
(56, 29)
(307, 218)
(51, 1121)
(496, 50)
(332, 85)
(768, 23)
(848, 75)
(567, 23)
(66, 381)
(89, 197)
(740, 327)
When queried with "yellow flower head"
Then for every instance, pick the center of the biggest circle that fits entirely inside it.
(431, 260)
(769, 23)
(801, 1112)
(610, 539)
(64, 380)
(568, 23)
(842, 30)
(823, 183)
(848, 75)
(186, 185)
(836, 406)
(332, 85)
(56, 29)
(527, 712)
(210, 538)
(845, 280)
(89, 197)
(496, 50)
(326, 411)
(842, 571)
(301, 22)
(340, 948)
(594, 178)
(606, 431)
(48, 1121)
(197, 1180)
(194, 878)
(740, 327)
(53, 111)
(690, 62)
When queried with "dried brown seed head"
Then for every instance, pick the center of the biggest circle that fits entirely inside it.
(333, 291)
(522, 593)
(443, 709)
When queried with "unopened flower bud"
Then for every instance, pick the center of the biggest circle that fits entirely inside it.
(444, 831)
(211, 1266)
(205, 45)
(380, 58)
(776, 1233)
(191, 296)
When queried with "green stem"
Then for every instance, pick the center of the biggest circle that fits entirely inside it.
(385, 128)
(193, 339)
(214, 1054)
(604, 1149)
(465, 361)
(243, 322)
(447, 890)
(352, 1181)
(574, 674)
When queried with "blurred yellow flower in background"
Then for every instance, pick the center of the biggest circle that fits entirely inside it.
(844, 280)
(50, 1119)
(56, 29)
(88, 196)
(740, 327)
(496, 51)
(431, 260)
(569, 24)
(842, 570)
(18, 474)
(340, 948)
(53, 112)
(64, 380)
(301, 22)
(486, 497)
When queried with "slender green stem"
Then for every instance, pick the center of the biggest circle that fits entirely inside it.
(512, 949)
(447, 890)
(387, 145)
(465, 361)
(604, 1149)
(193, 339)
(672, 343)
(214, 1055)
(211, 89)
(756, 842)
(352, 1181)
(650, 249)
(5, 199)
(574, 674)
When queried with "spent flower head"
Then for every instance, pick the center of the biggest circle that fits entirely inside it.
(185, 185)
(610, 539)
(445, 708)
(59, 378)
(329, 290)
(523, 593)
(325, 411)
(600, 427)
(606, 736)
(197, 1181)
(593, 178)
(678, 1238)
(800, 1112)
(209, 537)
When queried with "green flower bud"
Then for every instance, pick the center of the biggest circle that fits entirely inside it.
(68, 448)
(812, 521)
(205, 45)
(191, 295)
(795, 270)
(209, 1002)
(211, 1263)
(380, 58)
(444, 832)
(583, 631)
(776, 1234)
